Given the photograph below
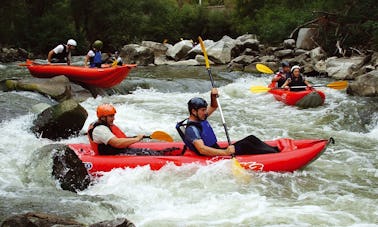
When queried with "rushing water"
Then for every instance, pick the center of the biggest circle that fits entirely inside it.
(338, 189)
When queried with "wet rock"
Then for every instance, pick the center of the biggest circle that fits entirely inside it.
(305, 39)
(234, 66)
(298, 52)
(67, 168)
(344, 68)
(60, 121)
(57, 87)
(365, 85)
(244, 60)
(119, 222)
(39, 220)
(190, 62)
(180, 50)
(137, 54)
(201, 60)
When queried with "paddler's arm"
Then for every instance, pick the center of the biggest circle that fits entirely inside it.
(49, 56)
(210, 151)
(124, 142)
(307, 83)
(213, 103)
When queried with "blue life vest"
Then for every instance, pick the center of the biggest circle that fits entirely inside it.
(96, 60)
(206, 132)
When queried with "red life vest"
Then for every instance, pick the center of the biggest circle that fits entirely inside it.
(97, 147)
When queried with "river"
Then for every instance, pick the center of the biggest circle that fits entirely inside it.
(338, 189)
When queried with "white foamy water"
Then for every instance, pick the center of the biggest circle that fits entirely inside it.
(338, 189)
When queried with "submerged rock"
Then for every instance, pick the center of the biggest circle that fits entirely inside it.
(60, 121)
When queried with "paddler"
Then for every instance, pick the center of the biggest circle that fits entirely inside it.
(62, 53)
(296, 79)
(107, 139)
(200, 137)
(283, 74)
(94, 55)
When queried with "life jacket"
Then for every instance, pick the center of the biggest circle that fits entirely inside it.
(103, 149)
(206, 132)
(297, 81)
(62, 56)
(96, 60)
(283, 78)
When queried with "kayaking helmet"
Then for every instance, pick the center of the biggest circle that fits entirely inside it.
(196, 103)
(285, 64)
(71, 42)
(97, 44)
(104, 110)
(295, 67)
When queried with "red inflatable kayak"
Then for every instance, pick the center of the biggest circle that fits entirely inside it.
(294, 155)
(304, 99)
(98, 77)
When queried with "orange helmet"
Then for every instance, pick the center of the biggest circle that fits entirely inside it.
(104, 110)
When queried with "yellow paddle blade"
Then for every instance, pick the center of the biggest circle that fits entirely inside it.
(259, 89)
(264, 69)
(160, 135)
(339, 85)
(239, 172)
(204, 52)
(114, 64)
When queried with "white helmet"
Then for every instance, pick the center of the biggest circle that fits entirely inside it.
(71, 42)
(295, 67)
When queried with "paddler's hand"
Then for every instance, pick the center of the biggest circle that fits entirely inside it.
(230, 150)
(214, 91)
(140, 137)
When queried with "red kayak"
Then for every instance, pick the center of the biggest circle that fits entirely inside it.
(293, 155)
(305, 99)
(99, 77)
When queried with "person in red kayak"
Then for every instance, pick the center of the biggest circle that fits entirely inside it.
(94, 55)
(282, 74)
(107, 139)
(200, 137)
(296, 79)
(62, 53)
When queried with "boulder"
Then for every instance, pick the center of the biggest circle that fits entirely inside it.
(289, 43)
(317, 54)
(58, 87)
(179, 50)
(189, 62)
(305, 39)
(67, 169)
(158, 48)
(298, 52)
(365, 85)
(284, 53)
(39, 220)
(60, 121)
(196, 50)
(201, 60)
(234, 66)
(119, 222)
(244, 60)
(344, 68)
(247, 41)
(220, 52)
(12, 54)
(137, 54)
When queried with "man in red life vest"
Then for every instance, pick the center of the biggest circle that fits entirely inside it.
(105, 137)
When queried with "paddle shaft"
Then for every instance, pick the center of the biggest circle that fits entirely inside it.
(220, 108)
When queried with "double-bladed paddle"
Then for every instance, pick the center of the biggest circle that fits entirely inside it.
(338, 85)
(160, 135)
(237, 169)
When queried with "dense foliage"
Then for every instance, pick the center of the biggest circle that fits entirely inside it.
(38, 25)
